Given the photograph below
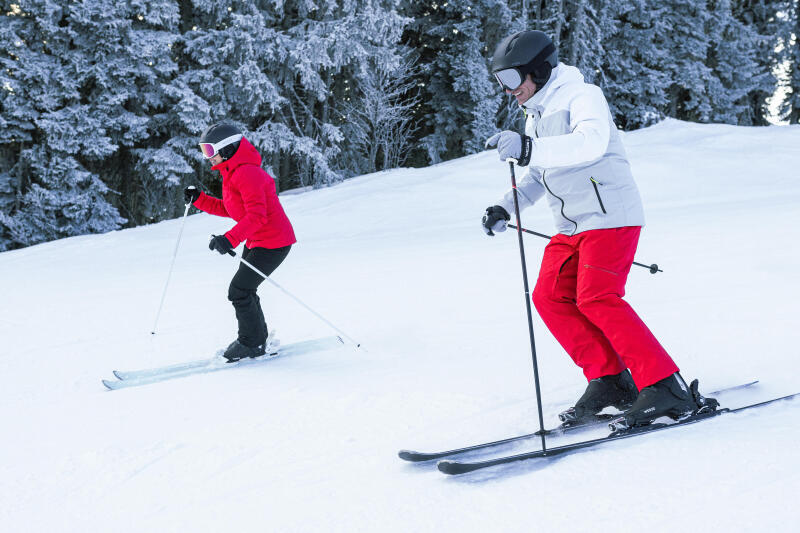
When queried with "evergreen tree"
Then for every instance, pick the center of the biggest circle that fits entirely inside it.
(283, 72)
(102, 103)
(552, 17)
(79, 80)
(583, 45)
(634, 77)
(764, 26)
(733, 59)
(790, 107)
(686, 45)
(454, 41)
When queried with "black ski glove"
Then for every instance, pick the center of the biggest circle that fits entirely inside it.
(495, 219)
(221, 244)
(191, 194)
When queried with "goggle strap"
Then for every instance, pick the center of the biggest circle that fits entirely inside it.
(226, 141)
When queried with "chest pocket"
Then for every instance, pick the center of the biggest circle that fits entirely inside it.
(555, 124)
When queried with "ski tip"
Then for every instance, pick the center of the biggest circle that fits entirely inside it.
(109, 384)
(452, 467)
(117, 374)
(405, 455)
(414, 457)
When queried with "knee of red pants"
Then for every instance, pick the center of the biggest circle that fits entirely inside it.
(639, 349)
(544, 300)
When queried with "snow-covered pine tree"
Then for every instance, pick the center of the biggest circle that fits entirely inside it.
(790, 107)
(348, 47)
(77, 82)
(551, 17)
(281, 71)
(148, 172)
(733, 57)
(582, 45)
(454, 40)
(686, 45)
(762, 20)
(634, 78)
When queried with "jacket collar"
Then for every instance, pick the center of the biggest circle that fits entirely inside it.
(245, 155)
(560, 76)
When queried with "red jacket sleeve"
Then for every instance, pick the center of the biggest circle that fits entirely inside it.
(211, 205)
(250, 183)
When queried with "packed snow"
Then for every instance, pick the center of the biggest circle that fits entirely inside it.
(397, 260)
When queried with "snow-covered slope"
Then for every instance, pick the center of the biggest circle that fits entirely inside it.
(398, 261)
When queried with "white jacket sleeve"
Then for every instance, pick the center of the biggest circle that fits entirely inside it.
(590, 132)
(529, 189)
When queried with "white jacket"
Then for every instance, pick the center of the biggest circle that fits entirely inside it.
(577, 158)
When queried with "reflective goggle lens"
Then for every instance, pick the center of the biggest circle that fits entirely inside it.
(509, 78)
(208, 150)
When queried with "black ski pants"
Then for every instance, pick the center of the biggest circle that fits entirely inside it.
(242, 292)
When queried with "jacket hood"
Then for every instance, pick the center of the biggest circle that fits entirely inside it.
(245, 155)
(560, 76)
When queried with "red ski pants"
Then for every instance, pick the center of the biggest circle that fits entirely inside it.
(579, 296)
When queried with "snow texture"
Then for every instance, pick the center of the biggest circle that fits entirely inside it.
(398, 261)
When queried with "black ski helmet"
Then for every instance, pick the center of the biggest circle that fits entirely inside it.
(529, 52)
(218, 133)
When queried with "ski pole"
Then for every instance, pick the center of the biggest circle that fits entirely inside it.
(296, 299)
(174, 255)
(527, 304)
(652, 268)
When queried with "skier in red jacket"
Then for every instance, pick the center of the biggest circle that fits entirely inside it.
(250, 198)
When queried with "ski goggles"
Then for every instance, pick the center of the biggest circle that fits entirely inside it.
(509, 78)
(211, 149)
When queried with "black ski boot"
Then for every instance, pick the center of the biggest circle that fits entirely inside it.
(669, 397)
(237, 351)
(617, 390)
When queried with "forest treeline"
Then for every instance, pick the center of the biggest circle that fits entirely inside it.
(102, 101)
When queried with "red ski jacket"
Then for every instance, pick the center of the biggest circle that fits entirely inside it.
(250, 198)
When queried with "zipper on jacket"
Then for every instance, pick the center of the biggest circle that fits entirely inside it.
(597, 192)
(560, 200)
(544, 181)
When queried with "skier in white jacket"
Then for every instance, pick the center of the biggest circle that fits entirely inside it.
(575, 158)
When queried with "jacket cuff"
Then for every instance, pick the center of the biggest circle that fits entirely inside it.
(507, 204)
(200, 200)
(232, 240)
